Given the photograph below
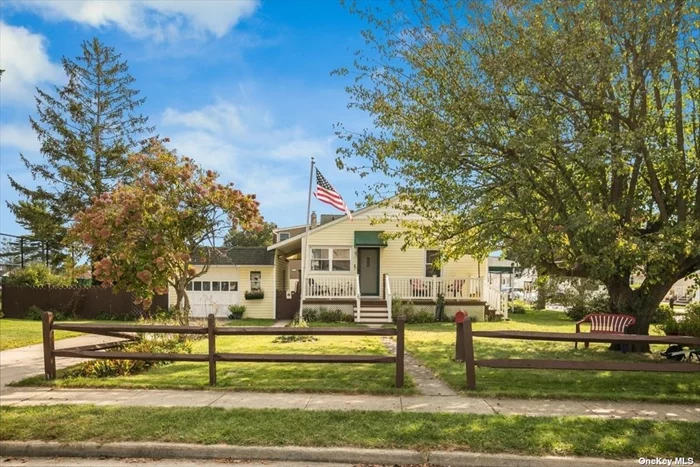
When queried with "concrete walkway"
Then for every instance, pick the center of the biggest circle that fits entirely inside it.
(22, 397)
(426, 382)
(17, 364)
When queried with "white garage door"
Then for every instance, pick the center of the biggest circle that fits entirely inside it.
(212, 295)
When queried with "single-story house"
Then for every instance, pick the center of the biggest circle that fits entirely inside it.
(350, 265)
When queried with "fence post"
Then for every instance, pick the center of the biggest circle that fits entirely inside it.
(211, 325)
(459, 341)
(400, 324)
(49, 358)
(469, 353)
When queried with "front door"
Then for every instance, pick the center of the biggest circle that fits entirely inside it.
(368, 268)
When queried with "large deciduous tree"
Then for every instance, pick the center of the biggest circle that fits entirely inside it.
(148, 230)
(241, 237)
(86, 129)
(564, 132)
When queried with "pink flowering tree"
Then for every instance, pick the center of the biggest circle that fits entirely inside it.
(148, 231)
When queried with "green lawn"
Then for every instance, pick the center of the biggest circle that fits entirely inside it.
(433, 344)
(285, 377)
(540, 436)
(16, 333)
(250, 322)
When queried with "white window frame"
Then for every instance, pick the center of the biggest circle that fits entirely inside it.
(425, 262)
(279, 236)
(351, 257)
(254, 288)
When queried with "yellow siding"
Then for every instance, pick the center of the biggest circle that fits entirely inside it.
(264, 308)
(393, 261)
(466, 266)
(281, 273)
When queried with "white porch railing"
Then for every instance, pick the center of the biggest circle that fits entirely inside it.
(388, 295)
(414, 288)
(496, 299)
(331, 286)
(358, 297)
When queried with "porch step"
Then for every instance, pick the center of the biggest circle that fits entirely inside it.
(381, 309)
(373, 303)
(373, 315)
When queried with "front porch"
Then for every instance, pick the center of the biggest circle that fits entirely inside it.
(345, 292)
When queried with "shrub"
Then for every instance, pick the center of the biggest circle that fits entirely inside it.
(236, 311)
(333, 316)
(407, 310)
(170, 315)
(671, 327)
(34, 313)
(310, 314)
(690, 325)
(519, 307)
(577, 312)
(107, 368)
(36, 275)
(662, 314)
(598, 303)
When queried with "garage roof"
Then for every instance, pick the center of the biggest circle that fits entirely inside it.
(237, 256)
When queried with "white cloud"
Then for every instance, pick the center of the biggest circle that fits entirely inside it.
(155, 19)
(26, 63)
(245, 146)
(20, 137)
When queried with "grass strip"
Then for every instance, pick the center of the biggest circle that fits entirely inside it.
(561, 436)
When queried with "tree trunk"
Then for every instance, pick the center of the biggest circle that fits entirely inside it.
(182, 303)
(541, 298)
(640, 303)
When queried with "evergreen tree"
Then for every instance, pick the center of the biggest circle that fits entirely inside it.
(86, 130)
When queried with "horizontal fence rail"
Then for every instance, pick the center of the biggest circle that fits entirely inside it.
(211, 331)
(464, 351)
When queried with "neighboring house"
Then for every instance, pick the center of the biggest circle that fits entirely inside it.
(232, 272)
(349, 265)
(685, 290)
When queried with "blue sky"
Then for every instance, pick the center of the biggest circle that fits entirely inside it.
(244, 87)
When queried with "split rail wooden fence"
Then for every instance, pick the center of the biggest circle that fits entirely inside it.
(211, 331)
(464, 351)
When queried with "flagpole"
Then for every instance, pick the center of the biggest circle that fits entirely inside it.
(305, 244)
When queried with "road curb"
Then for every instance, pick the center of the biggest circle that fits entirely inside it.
(292, 453)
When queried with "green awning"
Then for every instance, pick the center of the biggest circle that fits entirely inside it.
(501, 269)
(369, 238)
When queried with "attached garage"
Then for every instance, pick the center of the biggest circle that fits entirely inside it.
(236, 276)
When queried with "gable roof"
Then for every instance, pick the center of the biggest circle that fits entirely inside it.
(238, 256)
(344, 218)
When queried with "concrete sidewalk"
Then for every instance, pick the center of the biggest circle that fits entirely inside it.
(17, 364)
(22, 397)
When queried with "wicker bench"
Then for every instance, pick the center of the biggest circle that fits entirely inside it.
(605, 323)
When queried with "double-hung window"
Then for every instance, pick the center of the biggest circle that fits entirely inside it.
(430, 268)
(330, 259)
(255, 280)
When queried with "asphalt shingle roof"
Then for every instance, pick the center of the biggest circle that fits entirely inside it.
(243, 256)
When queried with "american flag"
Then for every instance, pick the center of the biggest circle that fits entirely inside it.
(326, 193)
